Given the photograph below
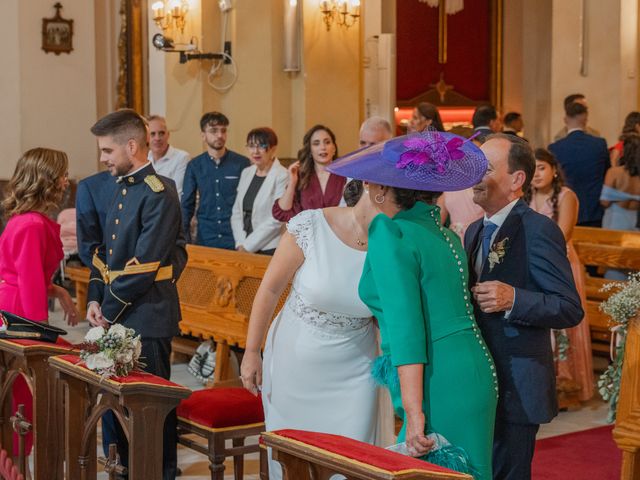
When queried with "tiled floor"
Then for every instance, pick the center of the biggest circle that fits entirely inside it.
(195, 466)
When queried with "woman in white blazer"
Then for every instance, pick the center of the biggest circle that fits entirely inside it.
(261, 184)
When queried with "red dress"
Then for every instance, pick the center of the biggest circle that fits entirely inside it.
(312, 197)
(30, 253)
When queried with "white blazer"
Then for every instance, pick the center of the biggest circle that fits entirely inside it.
(266, 229)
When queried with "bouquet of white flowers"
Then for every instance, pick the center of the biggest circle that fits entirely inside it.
(112, 352)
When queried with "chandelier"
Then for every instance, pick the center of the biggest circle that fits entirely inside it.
(171, 12)
(451, 6)
(344, 13)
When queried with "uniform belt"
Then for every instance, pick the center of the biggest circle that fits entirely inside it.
(163, 273)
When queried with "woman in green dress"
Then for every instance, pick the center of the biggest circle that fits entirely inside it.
(434, 361)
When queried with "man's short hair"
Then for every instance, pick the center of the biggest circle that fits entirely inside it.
(511, 117)
(122, 125)
(376, 123)
(151, 118)
(569, 99)
(520, 156)
(484, 115)
(574, 109)
(212, 119)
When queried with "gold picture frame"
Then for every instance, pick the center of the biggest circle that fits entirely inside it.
(57, 33)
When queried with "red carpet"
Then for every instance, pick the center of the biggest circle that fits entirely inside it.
(587, 455)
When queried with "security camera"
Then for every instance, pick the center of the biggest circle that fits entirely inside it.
(225, 5)
(166, 44)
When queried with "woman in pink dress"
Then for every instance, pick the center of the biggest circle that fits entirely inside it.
(460, 209)
(550, 197)
(30, 246)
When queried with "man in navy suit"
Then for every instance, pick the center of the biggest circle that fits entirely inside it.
(522, 287)
(585, 160)
(93, 199)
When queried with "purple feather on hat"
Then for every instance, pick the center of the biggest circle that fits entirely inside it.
(431, 151)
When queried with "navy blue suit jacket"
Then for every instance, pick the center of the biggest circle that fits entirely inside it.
(584, 160)
(143, 226)
(93, 199)
(536, 265)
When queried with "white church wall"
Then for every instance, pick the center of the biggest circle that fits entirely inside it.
(47, 100)
(610, 83)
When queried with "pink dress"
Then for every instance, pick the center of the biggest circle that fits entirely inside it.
(30, 253)
(579, 363)
(463, 211)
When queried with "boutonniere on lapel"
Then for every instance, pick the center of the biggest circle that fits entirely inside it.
(497, 252)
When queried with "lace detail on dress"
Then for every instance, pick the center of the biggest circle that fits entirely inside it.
(326, 321)
(301, 227)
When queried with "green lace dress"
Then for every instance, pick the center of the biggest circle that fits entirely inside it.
(415, 283)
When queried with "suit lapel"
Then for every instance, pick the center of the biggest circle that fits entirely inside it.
(472, 249)
(509, 231)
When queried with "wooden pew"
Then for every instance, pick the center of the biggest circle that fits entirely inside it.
(216, 293)
(140, 402)
(606, 249)
(80, 275)
(30, 359)
(627, 430)
(311, 455)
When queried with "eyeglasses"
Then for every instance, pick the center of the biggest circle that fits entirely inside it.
(261, 147)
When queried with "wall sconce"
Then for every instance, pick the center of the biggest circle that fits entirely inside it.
(173, 13)
(343, 12)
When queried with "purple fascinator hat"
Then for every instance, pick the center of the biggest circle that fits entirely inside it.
(430, 160)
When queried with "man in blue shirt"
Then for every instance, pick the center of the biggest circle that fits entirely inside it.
(214, 177)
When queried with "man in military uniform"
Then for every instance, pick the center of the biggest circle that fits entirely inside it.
(134, 271)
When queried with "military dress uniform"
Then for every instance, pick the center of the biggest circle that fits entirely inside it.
(134, 274)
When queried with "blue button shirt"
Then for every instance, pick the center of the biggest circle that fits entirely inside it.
(217, 185)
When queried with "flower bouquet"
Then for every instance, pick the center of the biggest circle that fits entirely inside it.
(111, 353)
(622, 305)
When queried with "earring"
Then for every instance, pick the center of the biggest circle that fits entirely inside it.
(379, 198)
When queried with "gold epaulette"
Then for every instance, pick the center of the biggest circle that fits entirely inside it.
(154, 183)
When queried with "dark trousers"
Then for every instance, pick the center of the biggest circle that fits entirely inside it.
(155, 355)
(513, 446)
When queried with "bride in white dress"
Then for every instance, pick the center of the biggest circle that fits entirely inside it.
(319, 349)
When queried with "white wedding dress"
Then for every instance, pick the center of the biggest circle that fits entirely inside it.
(319, 350)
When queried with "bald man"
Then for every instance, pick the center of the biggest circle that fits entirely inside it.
(374, 130)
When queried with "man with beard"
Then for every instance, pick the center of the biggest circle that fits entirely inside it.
(213, 176)
(135, 268)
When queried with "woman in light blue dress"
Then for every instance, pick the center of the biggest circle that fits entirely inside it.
(621, 195)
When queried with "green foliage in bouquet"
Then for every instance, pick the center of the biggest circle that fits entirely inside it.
(621, 306)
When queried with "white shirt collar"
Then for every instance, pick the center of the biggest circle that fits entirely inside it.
(501, 215)
(164, 157)
(569, 130)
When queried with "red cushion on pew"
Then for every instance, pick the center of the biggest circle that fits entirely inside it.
(222, 407)
(137, 376)
(364, 452)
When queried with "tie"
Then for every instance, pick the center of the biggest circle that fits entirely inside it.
(487, 231)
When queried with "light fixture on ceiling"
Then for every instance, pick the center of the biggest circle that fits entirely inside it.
(344, 13)
(167, 13)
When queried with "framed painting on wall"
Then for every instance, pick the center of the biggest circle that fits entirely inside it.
(57, 33)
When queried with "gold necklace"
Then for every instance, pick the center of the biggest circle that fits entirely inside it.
(359, 242)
